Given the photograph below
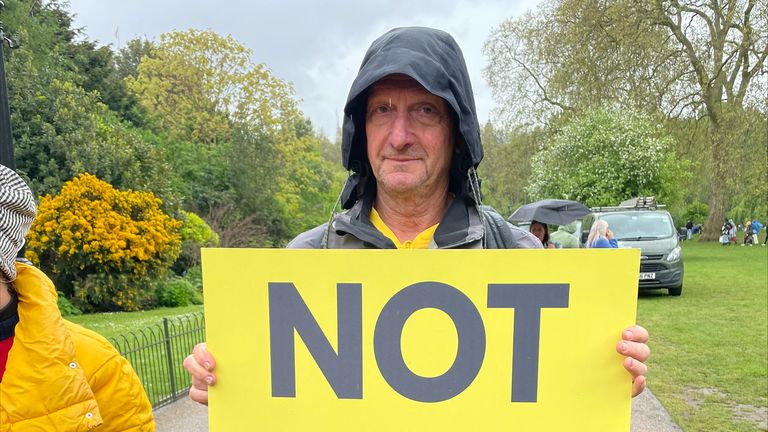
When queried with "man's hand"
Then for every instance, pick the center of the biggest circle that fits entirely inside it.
(200, 365)
(634, 347)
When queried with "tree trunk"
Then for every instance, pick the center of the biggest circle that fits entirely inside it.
(717, 196)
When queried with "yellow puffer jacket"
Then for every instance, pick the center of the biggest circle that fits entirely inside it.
(62, 377)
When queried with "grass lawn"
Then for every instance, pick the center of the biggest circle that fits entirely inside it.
(709, 361)
(112, 324)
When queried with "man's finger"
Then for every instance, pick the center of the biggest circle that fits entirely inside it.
(198, 395)
(636, 350)
(203, 357)
(201, 378)
(638, 385)
(634, 367)
(635, 333)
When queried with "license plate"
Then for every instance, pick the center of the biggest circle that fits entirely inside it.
(647, 276)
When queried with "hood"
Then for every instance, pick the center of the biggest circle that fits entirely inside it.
(434, 59)
(570, 228)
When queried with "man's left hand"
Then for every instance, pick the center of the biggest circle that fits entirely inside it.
(634, 347)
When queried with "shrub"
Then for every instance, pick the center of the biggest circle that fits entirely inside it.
(177, 292)
(102, 245)
(66, 307)
(195, 234)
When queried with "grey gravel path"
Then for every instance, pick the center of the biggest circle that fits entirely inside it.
(648, 415)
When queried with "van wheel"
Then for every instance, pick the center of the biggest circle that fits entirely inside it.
(676, 291)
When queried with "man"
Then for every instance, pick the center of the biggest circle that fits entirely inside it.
(565, 236)
(412, 141)
(54, 375)
(689, 229)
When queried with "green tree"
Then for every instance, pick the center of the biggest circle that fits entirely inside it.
(607, 157)
(60, 129)
(680, 58)
(506, 167)
(245, 144)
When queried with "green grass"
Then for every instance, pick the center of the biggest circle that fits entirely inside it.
(112, 324)
(709, 361)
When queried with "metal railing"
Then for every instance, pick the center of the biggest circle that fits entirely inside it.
(157, 352)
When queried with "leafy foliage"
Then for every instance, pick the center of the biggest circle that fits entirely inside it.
(177, 292)
(607, 157)
(66, 307)
(195, 234)
(102, 244)
(679, 59)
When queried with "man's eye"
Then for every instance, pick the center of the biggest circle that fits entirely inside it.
(381, 109)
(428, 110)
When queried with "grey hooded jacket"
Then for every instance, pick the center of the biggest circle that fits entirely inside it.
(434, 59)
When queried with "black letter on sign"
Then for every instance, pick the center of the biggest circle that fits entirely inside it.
(389, 331)
(287, 311)
(527, 300)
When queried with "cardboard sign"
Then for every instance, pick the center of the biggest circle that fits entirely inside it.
(419, 340)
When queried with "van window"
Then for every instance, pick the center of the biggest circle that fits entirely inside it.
(640, 225)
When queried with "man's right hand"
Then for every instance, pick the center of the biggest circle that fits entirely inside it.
(200, 365)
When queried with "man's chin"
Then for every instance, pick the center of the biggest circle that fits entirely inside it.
(401, 184)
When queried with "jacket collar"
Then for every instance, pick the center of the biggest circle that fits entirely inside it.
(461, 225)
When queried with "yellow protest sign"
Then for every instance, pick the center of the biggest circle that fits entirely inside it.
(419, 340)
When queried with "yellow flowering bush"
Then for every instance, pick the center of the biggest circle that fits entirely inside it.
(103, 245)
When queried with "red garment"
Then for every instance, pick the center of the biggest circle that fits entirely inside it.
(5, 347)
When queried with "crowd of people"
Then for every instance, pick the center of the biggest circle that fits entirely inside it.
(751, 228)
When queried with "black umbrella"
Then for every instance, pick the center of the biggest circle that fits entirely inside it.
(550, 211)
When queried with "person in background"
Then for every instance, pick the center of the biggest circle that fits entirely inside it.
(541, 231)
(565, 236)
(732, 231)
(725, 233)
(54, 375)
(689, 229)
(600, 236)
(756, 228)
(748, 239)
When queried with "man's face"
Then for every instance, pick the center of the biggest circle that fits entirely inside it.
(409, 137)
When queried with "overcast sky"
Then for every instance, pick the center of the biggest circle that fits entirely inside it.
(316, 45)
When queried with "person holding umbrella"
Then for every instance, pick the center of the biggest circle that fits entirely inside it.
(541, 231)
(548, 211)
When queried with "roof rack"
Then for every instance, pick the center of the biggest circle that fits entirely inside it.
(637, 203)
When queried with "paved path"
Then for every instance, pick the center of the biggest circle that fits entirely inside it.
(648, 415)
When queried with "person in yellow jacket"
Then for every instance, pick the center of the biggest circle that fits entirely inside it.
(54, 375)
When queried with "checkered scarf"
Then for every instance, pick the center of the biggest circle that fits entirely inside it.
(17, 210)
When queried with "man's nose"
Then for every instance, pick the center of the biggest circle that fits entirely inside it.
(401, 134)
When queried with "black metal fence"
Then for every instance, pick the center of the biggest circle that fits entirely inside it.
(157, 352)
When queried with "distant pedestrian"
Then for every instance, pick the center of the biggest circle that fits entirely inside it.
(565, 236)
(600, 236)
(732, 232)
(756, 228)
(541, 231)
(748, 240)
(689, 229)
(725, 233)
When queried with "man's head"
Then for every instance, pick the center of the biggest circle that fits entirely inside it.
(17, 210)
(429, 62)
(410, 138)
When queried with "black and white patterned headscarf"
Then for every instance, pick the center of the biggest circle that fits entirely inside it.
(17, 210)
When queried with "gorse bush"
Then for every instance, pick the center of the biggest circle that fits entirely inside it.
(100, 244)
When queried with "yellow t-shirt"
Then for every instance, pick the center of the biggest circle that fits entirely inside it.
(420, 242)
